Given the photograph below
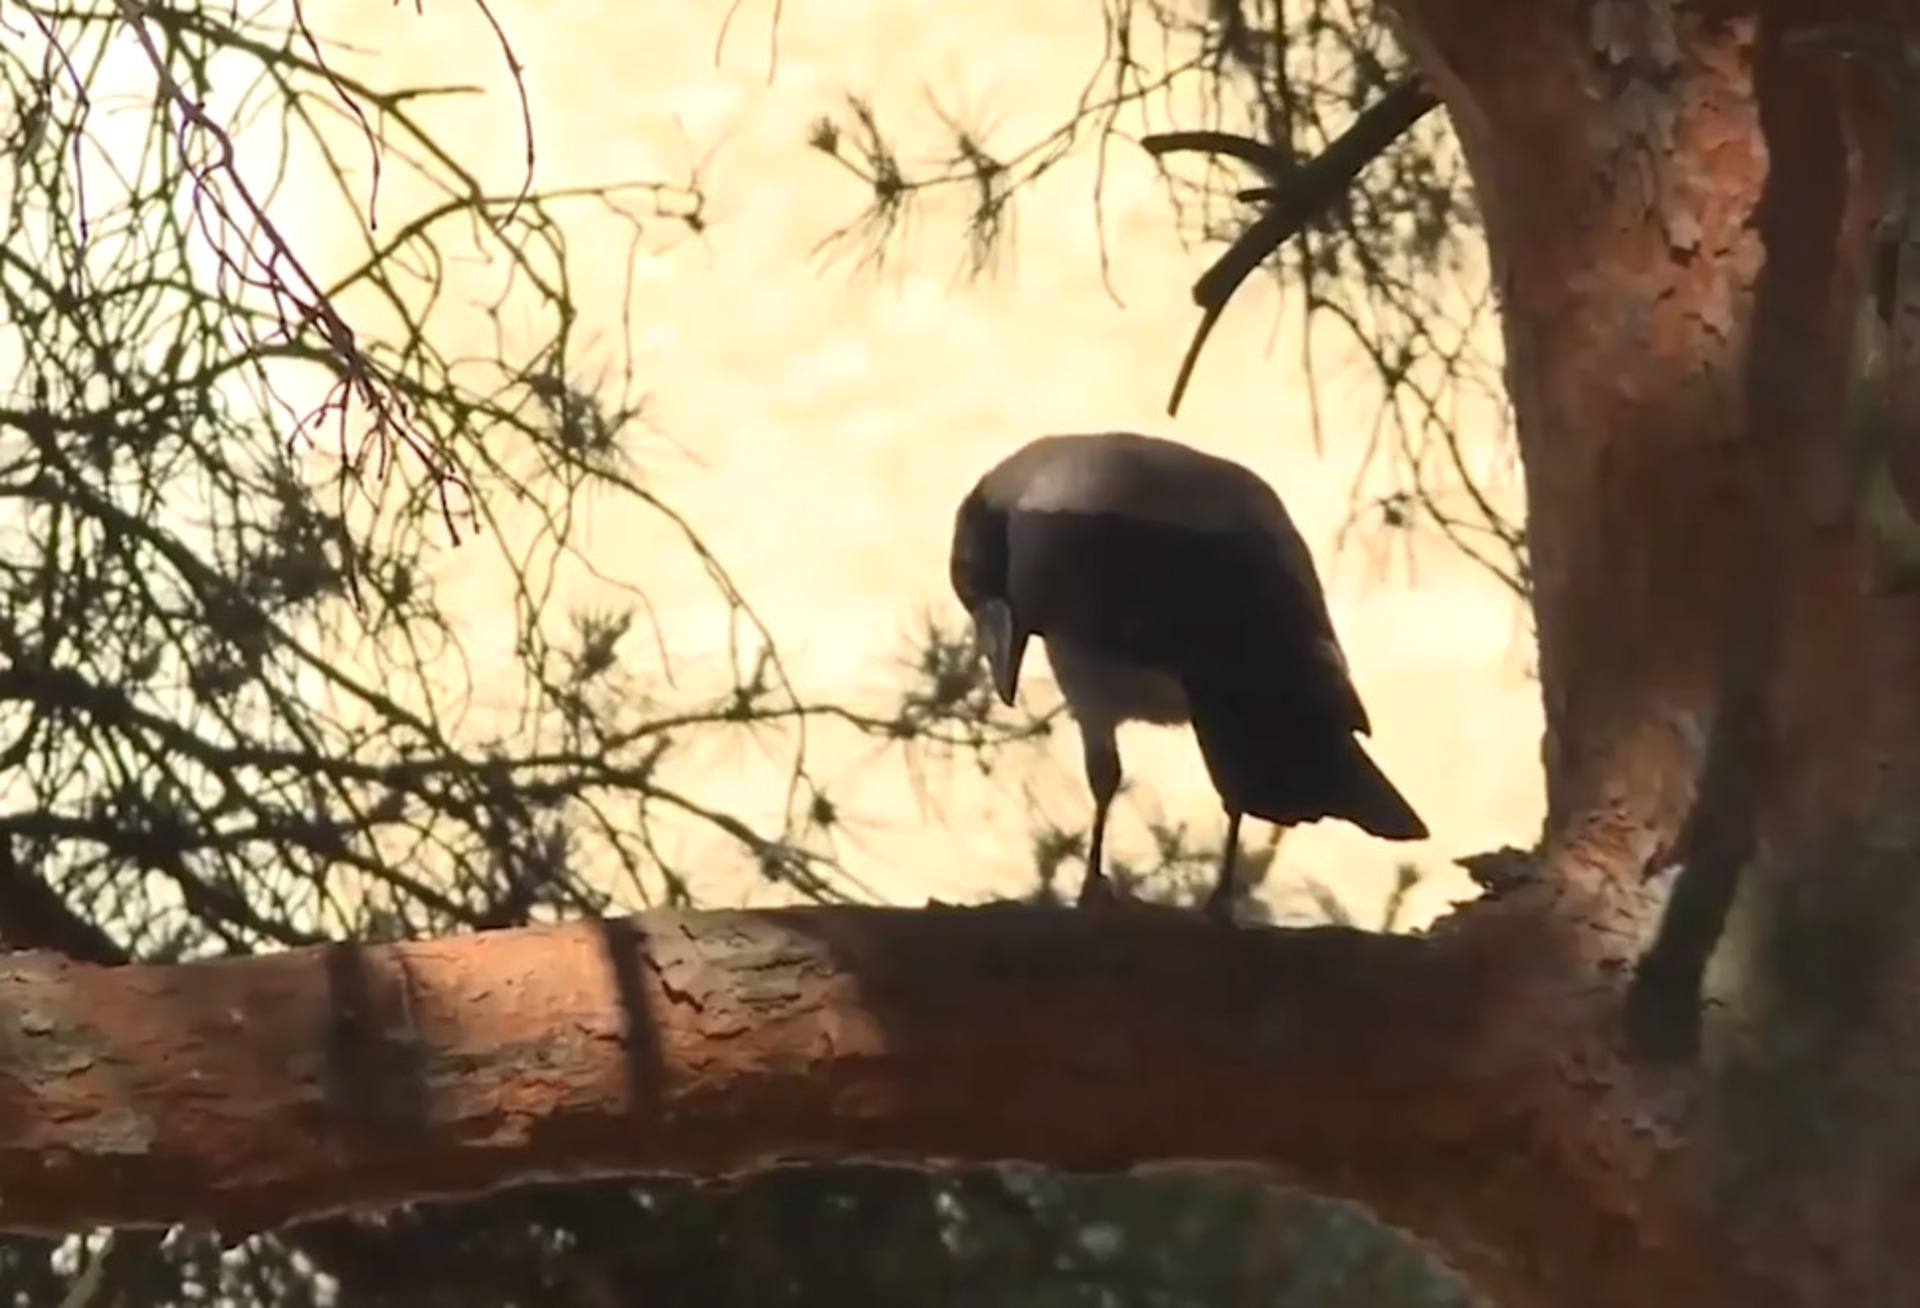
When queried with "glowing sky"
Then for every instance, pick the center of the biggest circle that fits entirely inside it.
(834, 419)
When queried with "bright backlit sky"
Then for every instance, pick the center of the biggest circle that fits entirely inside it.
(835, 418)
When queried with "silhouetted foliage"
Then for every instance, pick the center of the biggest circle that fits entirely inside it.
(237, 713)
(1010, 1236)
(1262, 90)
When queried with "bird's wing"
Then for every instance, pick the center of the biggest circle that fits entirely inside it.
(1229, 603)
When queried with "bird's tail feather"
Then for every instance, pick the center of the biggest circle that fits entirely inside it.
(1296, 773)
(1363, 796)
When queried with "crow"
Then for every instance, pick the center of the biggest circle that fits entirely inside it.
(1171, 587)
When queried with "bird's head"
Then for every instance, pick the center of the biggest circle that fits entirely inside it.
(978, 569)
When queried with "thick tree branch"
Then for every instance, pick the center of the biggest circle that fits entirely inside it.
(260, 1090)
(246, 1093)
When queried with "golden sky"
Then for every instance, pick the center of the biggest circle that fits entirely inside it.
(834, 419)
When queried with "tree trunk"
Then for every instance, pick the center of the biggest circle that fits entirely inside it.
(1680, 207)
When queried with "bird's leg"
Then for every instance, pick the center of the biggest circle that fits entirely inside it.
(1103, 777)
(1220, 902)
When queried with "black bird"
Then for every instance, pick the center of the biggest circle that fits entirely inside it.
(1171, 586)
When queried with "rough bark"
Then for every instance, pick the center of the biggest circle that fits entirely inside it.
(1679, 213)
(242, 1094)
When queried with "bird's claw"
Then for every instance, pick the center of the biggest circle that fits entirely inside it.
(1096, 892)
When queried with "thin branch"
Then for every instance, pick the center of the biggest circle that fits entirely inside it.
(1295, 196)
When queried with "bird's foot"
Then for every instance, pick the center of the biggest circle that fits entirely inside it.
(1098, 893)
(1219, 908)
(1101, 896)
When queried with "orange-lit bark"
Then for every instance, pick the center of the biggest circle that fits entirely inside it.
(1679, 211)
(1464, 1086)
(1429, 1078)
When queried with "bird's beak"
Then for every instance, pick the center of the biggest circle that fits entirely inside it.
(994, 636)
